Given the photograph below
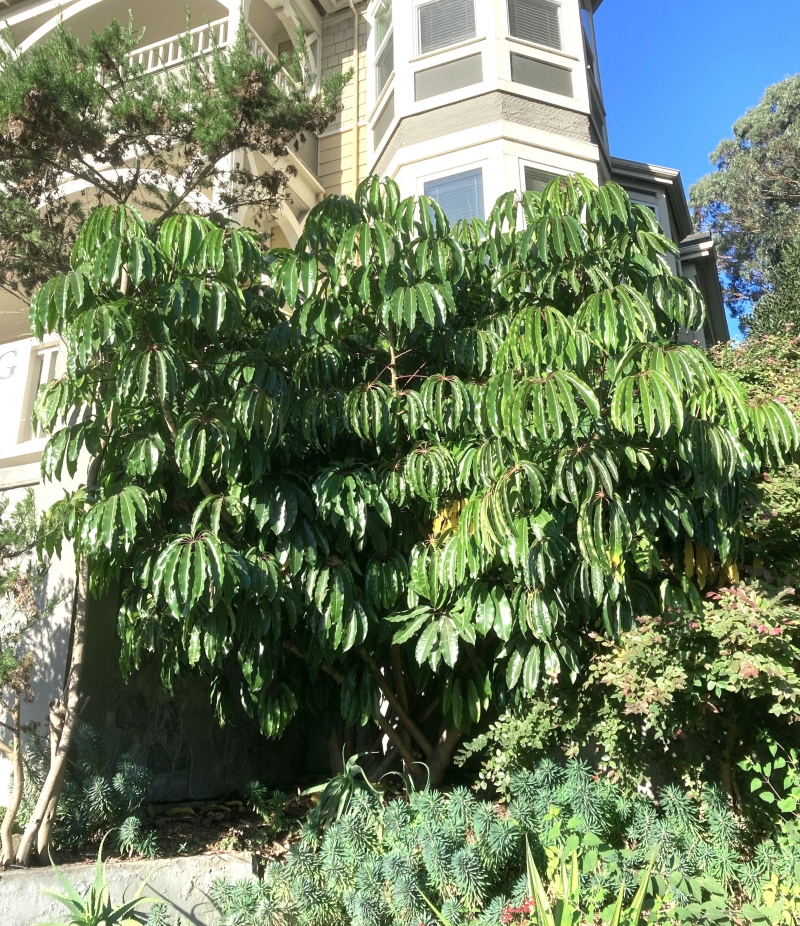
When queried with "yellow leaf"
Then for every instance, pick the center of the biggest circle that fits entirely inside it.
(448, 517)
(688, 557)
(730, 572)
(702, 566)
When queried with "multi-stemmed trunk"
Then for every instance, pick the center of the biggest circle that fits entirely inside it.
(64, 715)
(14, 753)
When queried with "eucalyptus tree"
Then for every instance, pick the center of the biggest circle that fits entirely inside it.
(751, 204)
(422, 467)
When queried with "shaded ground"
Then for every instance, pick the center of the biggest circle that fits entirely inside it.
(198, 827)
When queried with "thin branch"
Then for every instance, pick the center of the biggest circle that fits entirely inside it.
(402, 714)
(335, 674)
(396, 740)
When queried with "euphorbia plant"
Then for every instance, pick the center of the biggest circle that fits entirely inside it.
(410, 464)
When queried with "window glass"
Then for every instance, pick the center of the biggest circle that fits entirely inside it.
(536, 179)
(536, 21)
(384, 46)
(459, 195)
(383, 121)
(445, 22)
(588, 24)
(383, 23)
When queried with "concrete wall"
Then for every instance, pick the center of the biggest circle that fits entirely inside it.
(184, 882)
(177, 737)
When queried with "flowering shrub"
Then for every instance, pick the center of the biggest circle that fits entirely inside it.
(520, 916)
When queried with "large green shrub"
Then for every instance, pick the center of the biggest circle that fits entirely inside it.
(401, 461)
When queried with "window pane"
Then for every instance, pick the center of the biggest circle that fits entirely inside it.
(536, 180)
(460, 196)
(535, 21)
(445, 22)
(541, 75)
(463, 72)
(383, 23)
(384, 67)
(383, 121)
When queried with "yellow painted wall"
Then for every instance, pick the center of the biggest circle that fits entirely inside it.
(337, 171)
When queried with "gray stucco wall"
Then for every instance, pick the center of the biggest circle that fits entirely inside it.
(483, 110)
(190, 756)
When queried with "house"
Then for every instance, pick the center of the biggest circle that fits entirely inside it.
(460, 100)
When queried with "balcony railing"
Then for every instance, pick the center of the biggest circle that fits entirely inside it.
(172, 52)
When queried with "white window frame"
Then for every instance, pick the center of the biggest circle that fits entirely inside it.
(476, 8)
(378, 50)
(644, 199)
(562, 29)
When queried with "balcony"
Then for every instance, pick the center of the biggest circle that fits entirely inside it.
(270, 30)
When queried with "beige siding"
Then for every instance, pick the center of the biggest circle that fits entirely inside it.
(337, 162)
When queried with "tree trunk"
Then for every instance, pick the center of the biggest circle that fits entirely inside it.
(18, 769)
(726, 762)
(40, 825)
(443, 755)
(335, 752)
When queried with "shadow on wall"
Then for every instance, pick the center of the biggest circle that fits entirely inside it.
(189, 755)
(48, 641)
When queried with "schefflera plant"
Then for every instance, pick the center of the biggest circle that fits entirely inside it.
(401, 464)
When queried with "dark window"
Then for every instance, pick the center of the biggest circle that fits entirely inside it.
(536, 180)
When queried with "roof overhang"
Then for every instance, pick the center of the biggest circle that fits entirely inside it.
(666, 178)
(699, 250)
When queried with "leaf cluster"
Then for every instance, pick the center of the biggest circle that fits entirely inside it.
(401, 460)
(92, 801)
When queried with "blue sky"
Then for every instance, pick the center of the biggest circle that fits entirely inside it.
(677, 74)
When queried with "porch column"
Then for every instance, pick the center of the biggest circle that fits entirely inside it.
(235, 10)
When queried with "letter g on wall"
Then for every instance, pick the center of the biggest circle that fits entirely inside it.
(8, 364)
